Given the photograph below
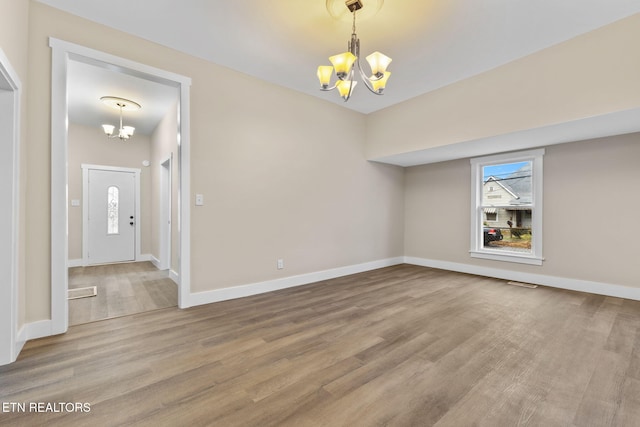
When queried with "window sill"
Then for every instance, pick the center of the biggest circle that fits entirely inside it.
(520, 259)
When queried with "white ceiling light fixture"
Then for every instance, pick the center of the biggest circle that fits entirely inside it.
(124, 132)
(346, 63)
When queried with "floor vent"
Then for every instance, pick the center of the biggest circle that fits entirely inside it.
(523, 285)
(89, 291)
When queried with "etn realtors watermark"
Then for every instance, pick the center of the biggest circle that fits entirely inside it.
(46, 407)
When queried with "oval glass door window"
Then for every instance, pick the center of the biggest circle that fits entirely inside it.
(112, 210)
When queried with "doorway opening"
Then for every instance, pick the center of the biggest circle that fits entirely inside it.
(65, 57)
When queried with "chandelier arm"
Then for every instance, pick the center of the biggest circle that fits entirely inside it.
(351, 76)
(327, 89)
(366, 80)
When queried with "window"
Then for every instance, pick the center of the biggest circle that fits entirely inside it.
(112, 210)
(506, 207)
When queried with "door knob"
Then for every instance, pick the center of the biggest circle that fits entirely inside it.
(131, 223)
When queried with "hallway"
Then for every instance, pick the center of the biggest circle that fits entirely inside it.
(122, 289)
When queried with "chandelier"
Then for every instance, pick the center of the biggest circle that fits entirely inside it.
(124, 132)
(345, 65)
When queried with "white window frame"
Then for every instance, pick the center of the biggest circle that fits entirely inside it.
(477, 247)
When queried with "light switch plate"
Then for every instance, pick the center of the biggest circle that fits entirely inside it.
(199, 200)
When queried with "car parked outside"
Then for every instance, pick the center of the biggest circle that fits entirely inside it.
(492, 234)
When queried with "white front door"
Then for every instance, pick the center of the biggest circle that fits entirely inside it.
(111, 216)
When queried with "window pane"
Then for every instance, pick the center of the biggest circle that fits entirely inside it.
(112, 210)
(507, 206)
(507, 184)
(510, 232)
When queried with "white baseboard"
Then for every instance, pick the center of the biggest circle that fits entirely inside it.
(141, 258)
(39, 329)
(241, 291)
(175, 277)
(172, 274)
(21, 339)
(75, 263)
(155, 261)
(144, 257)
(537, 279)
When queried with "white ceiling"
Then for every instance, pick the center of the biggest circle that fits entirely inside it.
(89, 82)
(432, 42)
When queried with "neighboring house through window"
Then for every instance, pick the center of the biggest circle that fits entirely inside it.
(492, 215)
(506, 207)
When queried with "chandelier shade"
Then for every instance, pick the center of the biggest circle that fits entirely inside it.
(324, 75)
(345, 64)
(378, 63)
(379, 84)
(345, 87)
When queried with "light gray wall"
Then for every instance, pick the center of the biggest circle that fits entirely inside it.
(581, 239)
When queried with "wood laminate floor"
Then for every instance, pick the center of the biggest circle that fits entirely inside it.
(122, 289)
(400, 346)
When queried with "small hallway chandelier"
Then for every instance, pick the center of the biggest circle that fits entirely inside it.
(124, 132)
(346, 63)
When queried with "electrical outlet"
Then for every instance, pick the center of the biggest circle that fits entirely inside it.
(280, 264)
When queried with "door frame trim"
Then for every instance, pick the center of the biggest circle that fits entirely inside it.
(165, 213)
(85, 207)
(62, 53)
(10, 341)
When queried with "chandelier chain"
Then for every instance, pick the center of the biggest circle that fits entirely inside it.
(353, 28)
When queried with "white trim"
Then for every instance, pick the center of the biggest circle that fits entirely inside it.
(173, 275)
(588, 286)
(511, 257)
(513, 157)
(224, 294)
(21, 340)
(85, 208)
(39, 329)
(145, 257)
(165, 226)
(155, 261)
(59, 196)
(142, 258)
(184, 197)
(89, 55)
(75, 263)
(62, 53)
(10, 176)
